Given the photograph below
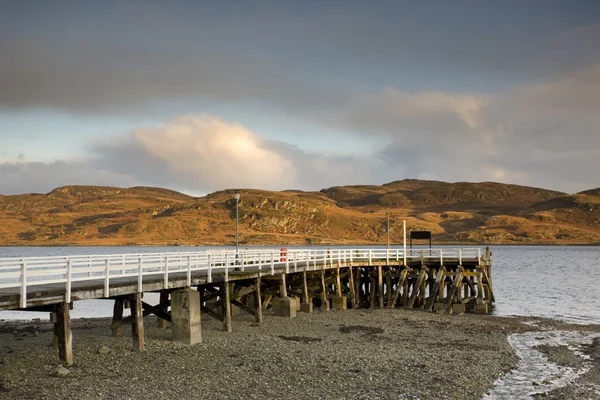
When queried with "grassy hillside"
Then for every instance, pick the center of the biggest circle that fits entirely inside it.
(455, 212)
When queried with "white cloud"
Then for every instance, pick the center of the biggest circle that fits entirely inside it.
(21, 176)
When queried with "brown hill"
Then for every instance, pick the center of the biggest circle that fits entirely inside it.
(485, 212)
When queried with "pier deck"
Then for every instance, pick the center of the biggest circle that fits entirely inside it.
(443, 280)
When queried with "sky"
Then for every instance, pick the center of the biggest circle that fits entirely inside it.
(200, 96)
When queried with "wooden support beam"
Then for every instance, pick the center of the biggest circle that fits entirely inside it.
(338, 282)
(243, 306)
(417, 287)
(164, 298)
(65, 336)
(352, 287)
(400, 285)
(268, 299)
(436, 287)
(479, 284)
(116, 327)
(488, 279)
(226, 307)
(211, 313)
(372, 290)
(137, 321)
(257, 300)
(157, 310)
(324, 297)
(405, 287)
(305, 287)
(456, 283)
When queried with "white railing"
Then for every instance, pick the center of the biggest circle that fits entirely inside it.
(24, 273)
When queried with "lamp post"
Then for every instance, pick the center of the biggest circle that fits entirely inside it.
(237, 201)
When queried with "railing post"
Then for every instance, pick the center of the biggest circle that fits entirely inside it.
(23, 284)
(106, 277)
(140, 275)
(189, 271)
(68, 295)
(272, 263)
(295, 261)
(166, 279)
(351, 261)
(227, 268)
(287, 262)
(479, 256)
(90, 266)
(242, 261)
(459, 256)
(259, 262)
(370, 257)
(441, 257)
(209, 276)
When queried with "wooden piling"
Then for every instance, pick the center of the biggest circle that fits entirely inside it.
(117, 327)
(65, 337)
(372, 291)
(164, 298)
(305, 287)
(226, 307)
(357, 287)
(452, 291)
(283, 286)
(433, 294)
(380, 285)
(417, 287)
(338, 282)
(352, 287)
(137, 321)
(399, 286)
(258, 301)
(324, 297)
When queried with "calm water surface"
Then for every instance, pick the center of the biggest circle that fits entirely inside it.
(547, 281)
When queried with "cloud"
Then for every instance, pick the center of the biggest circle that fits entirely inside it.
(199, 153)
(21, 176)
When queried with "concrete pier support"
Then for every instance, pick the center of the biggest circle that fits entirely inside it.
(339, 302)
(63, 331)
(306, 307)
(185, 316)
(284, 307)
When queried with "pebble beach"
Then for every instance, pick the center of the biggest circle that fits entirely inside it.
(353, 354)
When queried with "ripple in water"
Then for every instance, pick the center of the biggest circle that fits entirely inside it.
(535, 373)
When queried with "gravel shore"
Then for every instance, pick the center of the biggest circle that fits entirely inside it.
(354, 354)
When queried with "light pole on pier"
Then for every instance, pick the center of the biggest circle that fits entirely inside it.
(237, 201)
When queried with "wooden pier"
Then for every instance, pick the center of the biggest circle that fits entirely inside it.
(222, 282)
